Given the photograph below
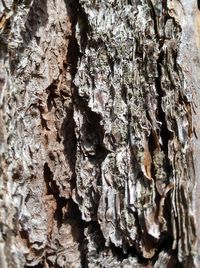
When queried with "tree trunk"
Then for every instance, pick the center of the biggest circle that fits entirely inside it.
(98, 149)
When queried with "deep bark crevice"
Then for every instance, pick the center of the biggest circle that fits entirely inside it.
(70, 143)
(198, 4)
(93, 127)
(52, 189)
(37, 17)
(74, 53)
(165, 134)
(40, 265)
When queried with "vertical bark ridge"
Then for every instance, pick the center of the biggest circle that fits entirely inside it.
(152, 80)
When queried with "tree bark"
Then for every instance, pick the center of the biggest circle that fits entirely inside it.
(99, 155)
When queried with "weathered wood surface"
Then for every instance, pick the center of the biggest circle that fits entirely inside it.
(98, 146)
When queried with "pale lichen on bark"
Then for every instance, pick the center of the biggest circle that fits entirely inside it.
(96, 134)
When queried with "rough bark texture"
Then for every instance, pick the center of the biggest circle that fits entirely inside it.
(96, 108)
